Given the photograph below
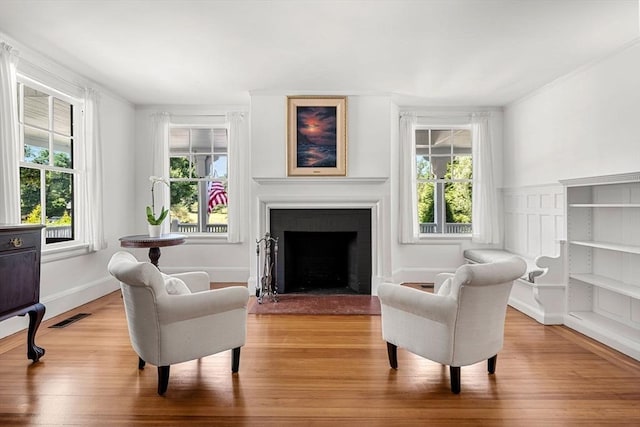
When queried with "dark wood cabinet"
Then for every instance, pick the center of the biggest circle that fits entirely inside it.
(20, 250)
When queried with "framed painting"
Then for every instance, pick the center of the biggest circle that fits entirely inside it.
(316, 135)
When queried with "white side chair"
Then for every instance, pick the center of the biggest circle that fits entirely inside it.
(461, 324)
(173, 319)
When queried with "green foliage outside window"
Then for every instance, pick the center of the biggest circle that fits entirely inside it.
(58, 192)
(457, 195)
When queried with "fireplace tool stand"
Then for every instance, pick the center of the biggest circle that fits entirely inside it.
(266, 285)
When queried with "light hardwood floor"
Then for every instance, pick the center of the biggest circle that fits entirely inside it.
(298, 370)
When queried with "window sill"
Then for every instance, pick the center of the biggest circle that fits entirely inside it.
(206, 238)
(427, 239)
(56, 252)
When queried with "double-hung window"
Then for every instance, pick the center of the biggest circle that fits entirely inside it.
(444, 180)
(198, 178)
(48, 170)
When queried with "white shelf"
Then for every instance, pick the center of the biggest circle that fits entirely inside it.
(616, 330)
(604, 205)
(631, 249)
(609, 284)
(598, 305)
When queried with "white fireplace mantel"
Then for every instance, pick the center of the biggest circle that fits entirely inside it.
(313, 180)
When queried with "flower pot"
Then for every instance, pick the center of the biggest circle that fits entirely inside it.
(154, 230)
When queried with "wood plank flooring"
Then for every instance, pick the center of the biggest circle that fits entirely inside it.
(302, 370)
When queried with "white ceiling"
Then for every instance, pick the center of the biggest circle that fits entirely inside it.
(431, 52)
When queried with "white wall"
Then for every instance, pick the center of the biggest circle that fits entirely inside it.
(584, 124)
(368, 132)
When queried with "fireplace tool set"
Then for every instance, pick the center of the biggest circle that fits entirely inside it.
(266, 285)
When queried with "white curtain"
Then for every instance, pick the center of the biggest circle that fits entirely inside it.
(9, 138)
(90, 153)
(160, 166)
(237, 182)
(485, 213)
(408, 213)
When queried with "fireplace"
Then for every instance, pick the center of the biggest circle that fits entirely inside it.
(323, 250)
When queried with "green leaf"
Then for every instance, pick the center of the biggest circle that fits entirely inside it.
(151, 219)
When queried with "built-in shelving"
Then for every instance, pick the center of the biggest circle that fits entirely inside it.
(631, 249)
(608, 283)
(611, 332)
(603, 287)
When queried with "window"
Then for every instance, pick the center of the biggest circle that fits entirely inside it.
(444, 180)
(47, 166)
(198, 177)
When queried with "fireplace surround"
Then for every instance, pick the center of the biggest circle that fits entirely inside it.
(323, 248)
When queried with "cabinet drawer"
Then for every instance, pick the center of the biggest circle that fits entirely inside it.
(19, 279)
(19, 240)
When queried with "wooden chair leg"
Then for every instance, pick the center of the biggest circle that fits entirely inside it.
(235, 360)
(141, 363)
(163, 379)
(491, 364)
(392, 351)
(454, 372)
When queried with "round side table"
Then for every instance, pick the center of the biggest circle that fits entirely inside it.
(153, 243)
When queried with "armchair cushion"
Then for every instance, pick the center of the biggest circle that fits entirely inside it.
(175, 286)
(196, 281)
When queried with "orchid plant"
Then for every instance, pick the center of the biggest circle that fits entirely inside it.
(151, 210)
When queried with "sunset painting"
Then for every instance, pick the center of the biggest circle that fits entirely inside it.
(316, 128)
(316, 135)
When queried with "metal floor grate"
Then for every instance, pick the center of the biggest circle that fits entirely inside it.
(70, 320)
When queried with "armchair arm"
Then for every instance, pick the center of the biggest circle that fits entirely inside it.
(173, 308)
(196, 281)
(437, 308)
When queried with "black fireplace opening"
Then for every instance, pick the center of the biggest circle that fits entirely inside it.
(320, 261)
(322, 250)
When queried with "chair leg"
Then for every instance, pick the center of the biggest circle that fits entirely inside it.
(141, 363)
(392, 351)
(454, 372)
(235, 360)
(491, 364)
(163, 379)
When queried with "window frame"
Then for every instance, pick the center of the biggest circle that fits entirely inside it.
(78, 244)
(225, 180)
(439, 182)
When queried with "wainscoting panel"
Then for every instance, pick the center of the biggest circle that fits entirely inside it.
(534, 219)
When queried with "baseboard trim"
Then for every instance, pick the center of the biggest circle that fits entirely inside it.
(62, 302)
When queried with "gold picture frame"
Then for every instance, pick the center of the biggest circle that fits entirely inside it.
(316, 135)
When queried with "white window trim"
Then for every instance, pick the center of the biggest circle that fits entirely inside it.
(77, 246)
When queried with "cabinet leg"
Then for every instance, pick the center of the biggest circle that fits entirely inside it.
(35, 318)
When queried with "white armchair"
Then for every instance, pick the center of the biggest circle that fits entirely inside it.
(461, 324)
(173, 319)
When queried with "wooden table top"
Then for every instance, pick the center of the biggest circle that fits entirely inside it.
(144, 241)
